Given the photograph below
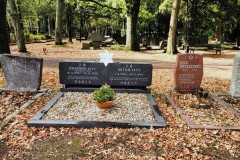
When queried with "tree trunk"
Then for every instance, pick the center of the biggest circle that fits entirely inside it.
(171, 45)
(49, 26)
(69, 23)
(4, 44)
(59, 24)
(218, 30)
(132, 42)
(15, 12)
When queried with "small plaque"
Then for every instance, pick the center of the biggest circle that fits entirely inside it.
(188, 72)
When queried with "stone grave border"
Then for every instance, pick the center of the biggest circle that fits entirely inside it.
(191, 123)
(25, 105)
(225, 104)
(37, 121)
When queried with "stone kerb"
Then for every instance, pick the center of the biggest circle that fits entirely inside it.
(114, 74)
(188, 72)
(22, 73)
(235, 80)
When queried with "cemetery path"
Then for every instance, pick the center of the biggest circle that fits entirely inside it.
(160, 60)
(157, 64)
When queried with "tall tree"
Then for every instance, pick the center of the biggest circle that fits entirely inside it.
(15, 12)
(4, 44)
(69, 22)
(171, 45)
(132, 41)
(59, 22)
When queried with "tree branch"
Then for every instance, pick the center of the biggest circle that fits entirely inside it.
(100, 4)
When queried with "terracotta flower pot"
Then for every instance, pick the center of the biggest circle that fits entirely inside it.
(104, 105)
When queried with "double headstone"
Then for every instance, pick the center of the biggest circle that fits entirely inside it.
(188, 72)
(235, 81)
(22, 73)
(96, 73)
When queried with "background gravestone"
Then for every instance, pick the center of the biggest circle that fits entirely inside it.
(188, 72)
(97, 37)
(22, 73)
(85, 46)
(235, 81)
(222, 40)
(238, 41)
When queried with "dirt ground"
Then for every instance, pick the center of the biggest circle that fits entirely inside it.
(176, 141)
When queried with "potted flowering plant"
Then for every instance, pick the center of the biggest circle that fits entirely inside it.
(104, 96)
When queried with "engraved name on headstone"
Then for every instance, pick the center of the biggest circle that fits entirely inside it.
(188, 72)
(22, 73)
(130, 74)
(81, 73)
(235, 81)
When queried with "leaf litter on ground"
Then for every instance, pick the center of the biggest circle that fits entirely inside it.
(176, 141)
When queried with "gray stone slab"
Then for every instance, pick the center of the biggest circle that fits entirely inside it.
(97, 37)
(22, 73)
(235, 80)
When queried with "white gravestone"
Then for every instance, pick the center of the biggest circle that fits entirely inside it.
(235, 81)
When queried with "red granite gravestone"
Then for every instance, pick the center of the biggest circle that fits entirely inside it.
(188, 72)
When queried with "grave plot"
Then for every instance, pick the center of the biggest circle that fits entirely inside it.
(198, 108)
(232, 100)
(23, 78)
(74, 105)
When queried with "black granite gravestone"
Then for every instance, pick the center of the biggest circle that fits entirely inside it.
(114, 74)
(129, 74)
(81, 73)
(22, 73)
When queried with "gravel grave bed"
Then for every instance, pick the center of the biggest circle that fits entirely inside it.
(11, 101)
(205, 111)
(131, 107)
(234, 101)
